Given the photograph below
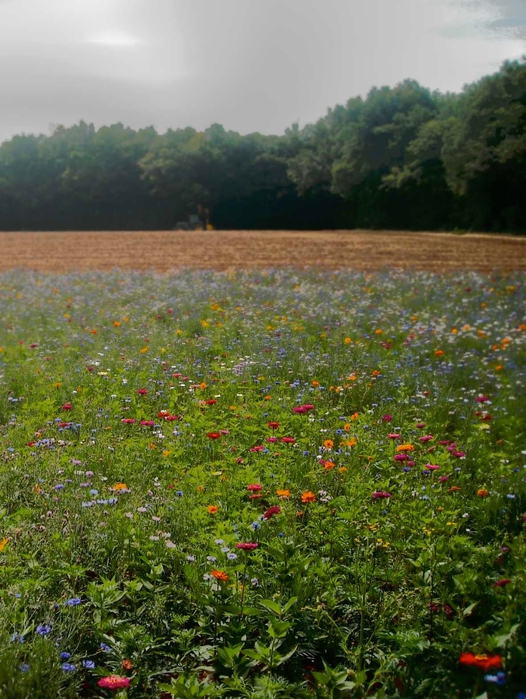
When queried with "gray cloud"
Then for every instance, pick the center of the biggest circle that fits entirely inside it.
(253, 65)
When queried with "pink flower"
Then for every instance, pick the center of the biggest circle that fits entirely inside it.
(401, 457)
(128, 420)
(147, 423)
(300, 409)
(257, 448)
(67, 406)
(426, 438)
(114, 682)
(247, 546)
(443, 479)
(394, 435)
(387, 418)
(275, 510)
(432, 467)
(288, 440)
(272, 440)
(380, 494)
(482, 399)
(420, 425)
(254, 487)
(308, 406)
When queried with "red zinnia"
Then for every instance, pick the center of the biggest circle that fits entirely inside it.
(254, 486)
(114, 682)
(288, 440)
(247, 546)
(213, 435)
(273, 425)
(142, 391)
(483, 662)
(275, 510)
(67, 406)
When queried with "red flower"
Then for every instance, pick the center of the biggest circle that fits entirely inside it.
(213, 435)
(257, 448)
(288, 440)
(247, 546)
(300, 409)
(114, 682)
(253, 487)
(147, 423)
(483, 662)
(211, 401)
(275, 510)
(273, 425)
(380, 494)
(67, 406)
(128, 420)
(142, 391)
(502, 583)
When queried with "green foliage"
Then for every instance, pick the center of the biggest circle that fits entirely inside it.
(402, 158)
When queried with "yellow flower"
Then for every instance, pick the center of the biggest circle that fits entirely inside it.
(3, 544)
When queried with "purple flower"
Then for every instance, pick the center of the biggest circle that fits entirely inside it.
(43, 629)
(381, 494)
(69, 667)
(88, 664)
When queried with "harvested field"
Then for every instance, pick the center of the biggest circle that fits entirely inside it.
(165, 250)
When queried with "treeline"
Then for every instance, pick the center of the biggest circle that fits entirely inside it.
(403, 158)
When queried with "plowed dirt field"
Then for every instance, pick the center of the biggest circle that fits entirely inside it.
(166, 250)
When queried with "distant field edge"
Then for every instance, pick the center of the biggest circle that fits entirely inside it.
(163, 251)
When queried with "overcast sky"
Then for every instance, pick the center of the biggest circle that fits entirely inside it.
(252, 65)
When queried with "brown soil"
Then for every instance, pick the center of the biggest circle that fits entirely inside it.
(165, 250)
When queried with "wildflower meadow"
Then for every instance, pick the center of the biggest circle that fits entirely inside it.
(262, 484)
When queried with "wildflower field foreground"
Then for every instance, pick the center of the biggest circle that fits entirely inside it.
(262, 484)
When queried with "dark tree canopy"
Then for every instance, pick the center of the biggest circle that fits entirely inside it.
(402, 158)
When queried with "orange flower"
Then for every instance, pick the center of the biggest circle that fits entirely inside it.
(315, 383)
(212, 509)
(454, 488)
(439, 353)
(3, 543)
(482, 493)
(376, 372)
(329, 465)
(351, 442)
(405, 447)
(119, 486)
(283, 493)
(220, 575)
(126, 664)
(328, 444)
(343, 469)
(308, 496)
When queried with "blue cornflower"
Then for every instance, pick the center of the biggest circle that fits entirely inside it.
(105, 647)
(94, 491)
(88, 664)
(24, 667)
(59, 486)
(231, 556)
(256, 525)
(17, 638)
(65, 655)
(43, 629)
(73, 602)
(499, 678)
(179, 493)
(69, 667)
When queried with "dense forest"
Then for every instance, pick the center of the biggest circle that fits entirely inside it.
(403, 158)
